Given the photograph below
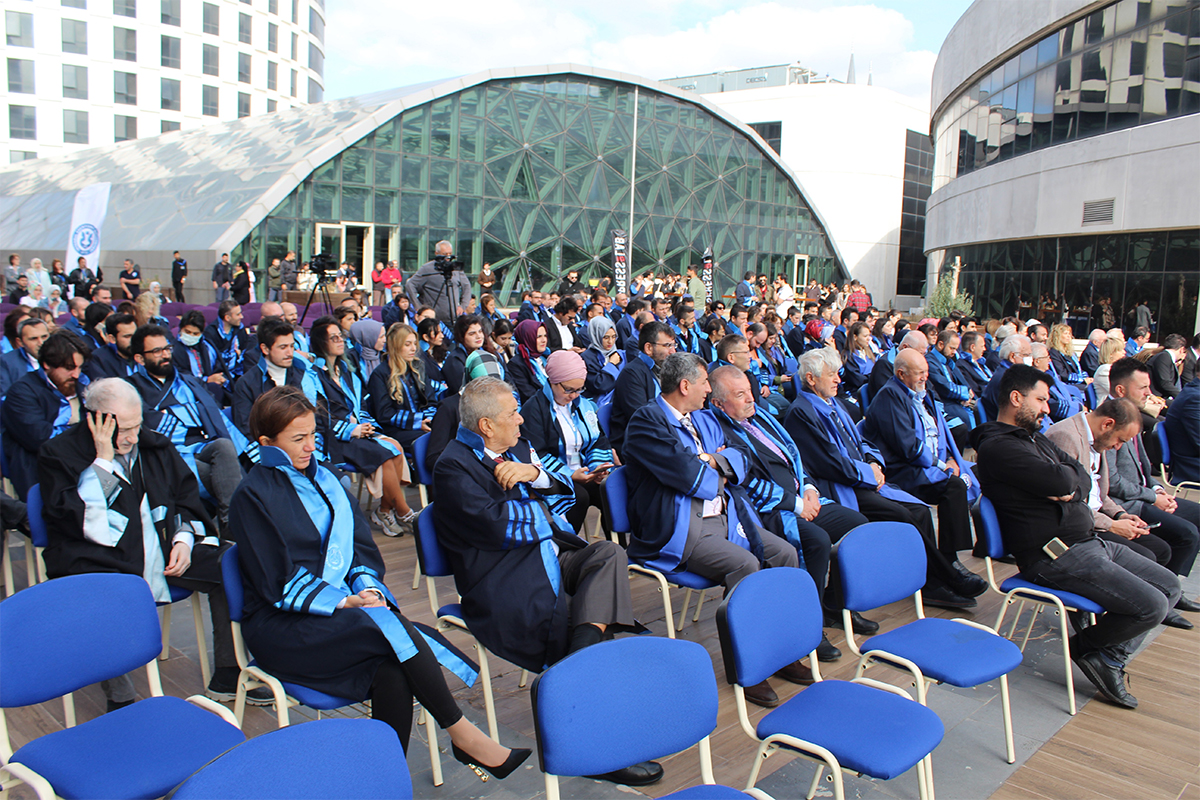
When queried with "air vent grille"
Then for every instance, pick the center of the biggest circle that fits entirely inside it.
(1098, 212)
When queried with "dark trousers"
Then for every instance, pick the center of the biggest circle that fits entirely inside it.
(877, 508)
(1147, 546)
(1180, 530)
(586, 496)
(597, 579)
(179, 293)
(832, 522)
(954, 514)
(398, 682)
(1135, 592)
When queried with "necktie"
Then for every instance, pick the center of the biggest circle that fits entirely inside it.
(848, 439)
(499, 459)
(686, 420)
(754, 431)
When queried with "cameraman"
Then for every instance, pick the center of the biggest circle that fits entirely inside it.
(428, 286)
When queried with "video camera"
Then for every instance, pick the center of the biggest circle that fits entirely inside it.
(323, 265)
(447, 265)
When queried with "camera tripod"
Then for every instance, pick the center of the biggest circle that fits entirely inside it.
(322, 286)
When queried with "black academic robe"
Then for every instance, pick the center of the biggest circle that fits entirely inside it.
(158, 473)
(496, 542)
(523, 378)
(636, 385)
(106, 362)
(254, 383)
(602, 374)
(32, 412)
(400, 419)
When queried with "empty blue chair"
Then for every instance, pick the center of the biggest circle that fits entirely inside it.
(1089, 396)
(883, 562)
(616, 492)
(68, 633)
(1018, 588)
(623, 702)
(863, 402)
(773, 618)
(420, 450)
(328, 759)
(604, 415)
(1160, 433)
(287, 695)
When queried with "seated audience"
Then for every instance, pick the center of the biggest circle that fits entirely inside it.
(277, 367)
(528, 367)
(950, 386)
(399, 397)
(1165, 366)
(444, 426)
(114, 360)
(341, 632)
(1040, 494)
(1182, 424)
(1137, 342)
(604, 361)
(561, 331)
(1089, 359)
(1065, 400)
(194, 355)
(228, 337)
(31, 334)
(638, 382)
(369, 339)
(1112, 351)
(468, 337)
(433, 352)
(1016, 349)
(885, 366)
(1062, 356)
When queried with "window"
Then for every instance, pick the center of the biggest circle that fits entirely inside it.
(74, 36)
(125, 88)
(125, 8)
(243, 105)
(315, 92)
(75, 127)
(75, 3)
(208, 106)
(295, 77)
(272, 37)
(244, 67)
(244, 28)
(771, 132)
(212, 18)
(22, 123)
(273, 6)
(295, 46)
(168, 126)
(918, 178)
(20, 76)
(17, 156)
(270, 106)
(75, 82)
(124, 44)
(295, 13)
(316, 59)
(170, 52)
(18, 29)
(316, 24)
(209, 59)
(170, 95)
(124, 128)
(272, 76)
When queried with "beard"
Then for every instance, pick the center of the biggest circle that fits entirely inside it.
(163, 369)
(1029, 419)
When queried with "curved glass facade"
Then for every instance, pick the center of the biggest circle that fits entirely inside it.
(531, 175)
(1087, 281)
(1130, 63)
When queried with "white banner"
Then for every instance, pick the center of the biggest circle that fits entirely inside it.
(87, 220)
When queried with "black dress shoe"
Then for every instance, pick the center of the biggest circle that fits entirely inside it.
(1176, 620)
(1108, 679)
(516, 757)
(941, 597)
(968, 584)
(796, 673)
(113, 705)
(761, 694)
(1185, 604)
(642, 774)
(826, 651)
(860, 624)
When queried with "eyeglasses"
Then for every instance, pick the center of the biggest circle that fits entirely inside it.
(670, 345)
(570, 389)
(337, 338)
(157, 350)
(739, 352)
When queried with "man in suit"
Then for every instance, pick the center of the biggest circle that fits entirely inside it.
(905, 422)
(788, 503)
(686, 337)
(1164, 369)
(277, 367)
(1015, 349)
(1040, 494)
(1089, 359)
(1187, 373)
(562, 332)
(1182, 424)
(847, 469)
(687, 505)
(638, 383)
(31, 333)
(1133, 487)
(849, 317)
(885, 365)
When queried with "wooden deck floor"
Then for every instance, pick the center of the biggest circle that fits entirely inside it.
(1103, 752)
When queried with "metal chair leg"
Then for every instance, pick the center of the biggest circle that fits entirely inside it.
(201, 646)
(435, 757)
(1010, 751)
(166, 633)
(8, 571)
(489, 704)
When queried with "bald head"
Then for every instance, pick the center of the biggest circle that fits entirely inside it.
(271, 309)
(914, 340)
(1097, 337)
(912, 370)
(908, 360)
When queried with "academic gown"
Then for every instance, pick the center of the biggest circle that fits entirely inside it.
(106, 362)
(202, 361)
(255, 382)
(229, 347)
(32, 412)
(399, 419)
(602, 375)
(544, 434)
(454, 367)
(668, 485)
(528, 378)
(636, 386)
(158, 497)
(501, 547)
(15, 365)
(343, 410)
(182, 410)
(303, 546)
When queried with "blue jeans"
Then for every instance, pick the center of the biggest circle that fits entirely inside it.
(1135, 592)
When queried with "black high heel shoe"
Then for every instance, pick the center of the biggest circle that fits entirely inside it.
(516, 757)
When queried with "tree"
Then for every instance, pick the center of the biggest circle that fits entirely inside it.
(943, 299)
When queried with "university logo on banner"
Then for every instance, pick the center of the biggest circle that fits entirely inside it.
(87, 220)
(620, 255)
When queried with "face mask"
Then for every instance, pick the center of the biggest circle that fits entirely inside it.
(190, 339)
(1028, 361)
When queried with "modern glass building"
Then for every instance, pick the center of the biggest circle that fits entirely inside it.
(529, 170)
(1067, 150)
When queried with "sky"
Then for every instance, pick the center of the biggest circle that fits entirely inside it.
(896, 40)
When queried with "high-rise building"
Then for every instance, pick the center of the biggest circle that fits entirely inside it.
(83, 73)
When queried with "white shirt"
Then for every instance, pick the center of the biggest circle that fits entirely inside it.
(276, 373)
(1094, 465)
(564, 333)
(716, 506)
(572, 441)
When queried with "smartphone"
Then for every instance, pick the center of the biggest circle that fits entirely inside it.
(1055, 548)
(101, 419)
(1153, 525)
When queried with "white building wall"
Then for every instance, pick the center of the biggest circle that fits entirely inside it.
(845, 142)
(49, 59)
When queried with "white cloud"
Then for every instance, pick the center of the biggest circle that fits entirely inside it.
(653, 38)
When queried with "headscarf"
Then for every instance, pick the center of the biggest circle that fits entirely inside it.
(597, 327)
(481, 364)
(526, 336)
(565, 365)
(365, 333)
(815, 330)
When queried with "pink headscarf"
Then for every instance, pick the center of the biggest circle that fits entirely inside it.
(565, 365)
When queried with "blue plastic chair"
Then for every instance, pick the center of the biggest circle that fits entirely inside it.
(1160, 432)
(434, 564)
(604, 416)
(287, 695)
(883, 562)
(616, 492)
(773, 618)
(71, 632)
(623, 702)
(324, 760)
(35, 571)
(420, 449)
(1018, 588)
(1089, 396)
(863, 400)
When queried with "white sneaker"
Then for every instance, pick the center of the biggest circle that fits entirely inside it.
(386, 520)
(408, 522)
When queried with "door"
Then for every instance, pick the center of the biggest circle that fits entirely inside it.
(799, 274)
(330, 239)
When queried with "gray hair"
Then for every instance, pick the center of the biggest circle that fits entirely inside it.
(1013, 344)
(815, 361)
(677, 368)
(1098, 336)
(443, 243)
(1004, 331)
(108, 394)
(481, 399)
(915, 340)
(1039, 350)
(721, 380)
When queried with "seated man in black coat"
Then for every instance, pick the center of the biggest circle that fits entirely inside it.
(638, 382)
(1164, 368)
(114, 360)
(120, 499)
(885, 365)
